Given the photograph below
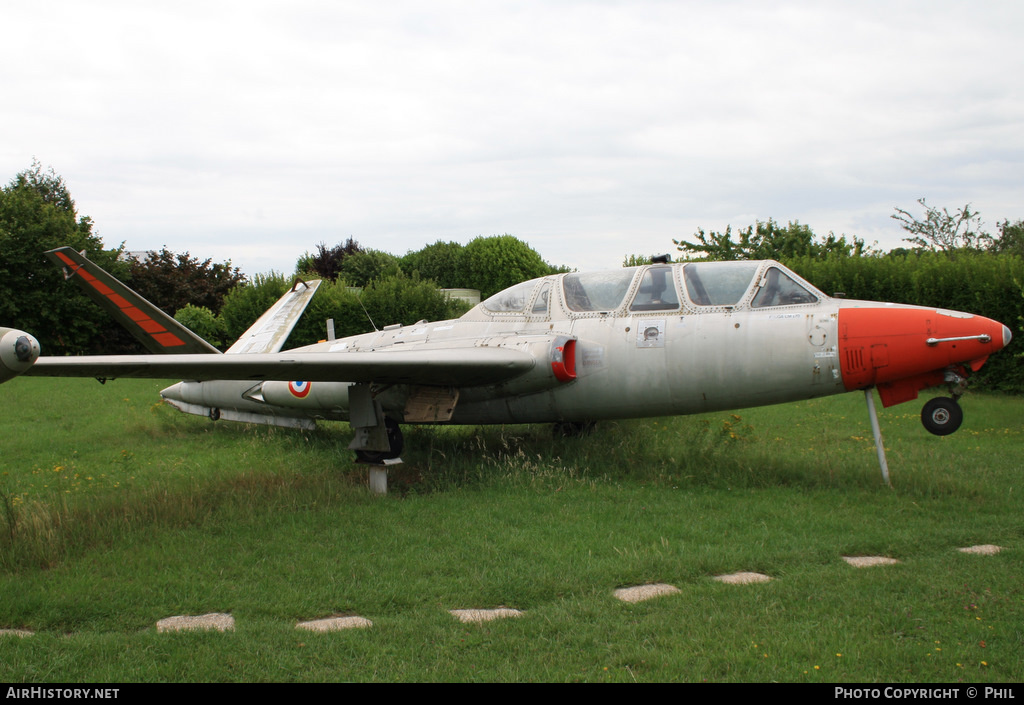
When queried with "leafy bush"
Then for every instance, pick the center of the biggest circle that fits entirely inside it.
(202, 321)
(393, 299)
(332, 300)
(405, 300)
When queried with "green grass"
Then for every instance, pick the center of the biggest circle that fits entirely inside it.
(118, 512)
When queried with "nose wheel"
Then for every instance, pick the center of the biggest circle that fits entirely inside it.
(942, 416)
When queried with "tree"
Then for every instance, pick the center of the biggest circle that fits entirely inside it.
(442, 262)
(498, 262)
(327, 262)
(175, 280)
(38, 214)
(767, 240)
(1010, 239)
(360, 268)
(942, 230)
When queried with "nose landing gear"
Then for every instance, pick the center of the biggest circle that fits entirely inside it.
(942, 416)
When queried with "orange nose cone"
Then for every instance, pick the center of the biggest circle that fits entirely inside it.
(888, 344)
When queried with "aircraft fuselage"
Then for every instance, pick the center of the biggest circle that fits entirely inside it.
(647, 341)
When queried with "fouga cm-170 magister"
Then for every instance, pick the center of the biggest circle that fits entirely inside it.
(654, 340)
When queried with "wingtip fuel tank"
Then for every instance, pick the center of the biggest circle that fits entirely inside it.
(18, 352)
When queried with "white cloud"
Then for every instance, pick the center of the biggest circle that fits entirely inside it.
(589, 129)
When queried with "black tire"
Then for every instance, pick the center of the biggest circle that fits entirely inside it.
(942, 416)
(395, 441)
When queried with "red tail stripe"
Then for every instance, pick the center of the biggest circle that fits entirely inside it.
(156, 331)
(150, 326)
(168, 340)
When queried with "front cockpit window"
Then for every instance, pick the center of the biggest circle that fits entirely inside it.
(511, 300)
(657, 291)
(597, 291)
(718, 283)
(779, 289)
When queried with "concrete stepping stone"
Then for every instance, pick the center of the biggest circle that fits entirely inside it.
(215, 621)
(743, 578)
(639, 593)
(986, 549)
(869, 561)
(16, 632)
(333, 624)
(478, 616)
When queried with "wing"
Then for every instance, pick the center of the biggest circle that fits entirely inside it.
(157, 331)
(464, 367)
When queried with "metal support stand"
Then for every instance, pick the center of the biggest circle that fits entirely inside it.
(878, 436)
(379, 476)
(379, 480)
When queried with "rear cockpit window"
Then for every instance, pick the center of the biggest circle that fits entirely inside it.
(657, 291)
(779, 289)
(718, 283)
(597, 291)
(511, 300)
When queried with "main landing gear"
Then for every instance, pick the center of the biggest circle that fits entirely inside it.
(380, 460)
(395, 445)
(376, 437)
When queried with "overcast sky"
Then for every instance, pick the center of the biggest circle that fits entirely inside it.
(253, 130)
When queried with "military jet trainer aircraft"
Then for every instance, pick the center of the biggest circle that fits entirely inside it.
(654, 340)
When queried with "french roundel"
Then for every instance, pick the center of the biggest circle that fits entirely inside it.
(299, 389)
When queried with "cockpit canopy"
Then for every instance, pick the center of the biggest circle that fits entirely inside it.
(596, 291)
(725, 283)
(691, 287)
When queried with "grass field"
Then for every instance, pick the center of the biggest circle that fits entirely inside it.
(118, 511)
